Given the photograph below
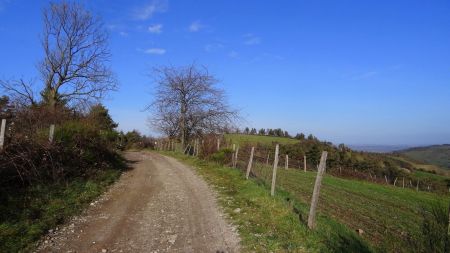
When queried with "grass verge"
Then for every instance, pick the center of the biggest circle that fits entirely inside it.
(272, 224)
(27, 214)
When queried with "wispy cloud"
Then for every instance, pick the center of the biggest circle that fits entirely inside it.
(121, 29)
(251, 39)
(156, 28)
(157, 51)
(213, 47)
(364, 75)
(233, 54)
(196, 26)
(147, 11)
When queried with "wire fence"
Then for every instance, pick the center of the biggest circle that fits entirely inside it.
(263, 161)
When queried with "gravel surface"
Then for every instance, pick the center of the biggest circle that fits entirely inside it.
(160, 205)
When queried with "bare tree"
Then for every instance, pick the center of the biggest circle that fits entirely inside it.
(75, 67)
(76, 55)
(188, 103)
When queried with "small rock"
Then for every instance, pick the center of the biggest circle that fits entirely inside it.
(50, 231)
(360, 231)
(104, 250)
(237, 210)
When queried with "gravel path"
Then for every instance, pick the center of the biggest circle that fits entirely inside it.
(160, 205)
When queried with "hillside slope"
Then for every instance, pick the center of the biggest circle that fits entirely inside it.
(438, 155)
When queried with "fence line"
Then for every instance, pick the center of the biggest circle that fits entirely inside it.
(240, 157)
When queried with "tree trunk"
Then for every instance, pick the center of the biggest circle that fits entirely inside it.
(183, 124)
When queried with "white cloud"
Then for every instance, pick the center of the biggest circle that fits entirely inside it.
(156, 28)
(147, 11)
(196, 26)
(251, 39)
(158, 51)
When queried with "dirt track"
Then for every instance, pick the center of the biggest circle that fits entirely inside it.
(160, 205)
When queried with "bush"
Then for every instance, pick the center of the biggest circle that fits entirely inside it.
(222, 157)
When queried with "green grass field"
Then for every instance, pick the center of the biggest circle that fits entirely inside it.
(241, 139)
(389, 216)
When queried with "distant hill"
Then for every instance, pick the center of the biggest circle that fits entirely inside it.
(379, 148)
(438, 155)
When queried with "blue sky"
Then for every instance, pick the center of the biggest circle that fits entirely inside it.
(355, 72)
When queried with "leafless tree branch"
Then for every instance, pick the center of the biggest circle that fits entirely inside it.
(187, 103)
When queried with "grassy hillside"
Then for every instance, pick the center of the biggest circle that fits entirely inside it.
(438, 155)
(241, 139)
(390, 216)
(422, 166)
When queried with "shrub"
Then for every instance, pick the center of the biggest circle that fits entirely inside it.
(222, 157)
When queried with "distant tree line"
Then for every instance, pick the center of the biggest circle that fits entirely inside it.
(277, 132)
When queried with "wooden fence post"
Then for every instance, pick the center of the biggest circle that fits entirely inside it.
(274, 174)
(218, 144)
(190, 149)
(385, 178)
(417, 185)
(51, 133)
(316, 192)
(403, 184)
(267, 160)
(395, 181)
(236, 157)
(448, 229)
(2, 133)
(286, 165)
(195, 148)
(198, 146)
(250, 162)
(233, 154)
(304, 163)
